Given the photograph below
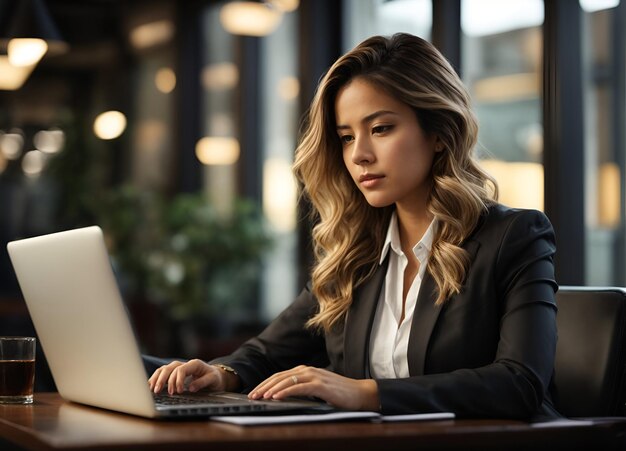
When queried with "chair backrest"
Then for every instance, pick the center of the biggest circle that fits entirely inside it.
(591, 351)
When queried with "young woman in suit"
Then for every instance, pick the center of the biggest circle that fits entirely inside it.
(426, 294)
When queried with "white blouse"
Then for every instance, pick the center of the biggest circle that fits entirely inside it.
(388, 342)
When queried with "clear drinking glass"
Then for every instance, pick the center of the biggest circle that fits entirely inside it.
(17, 370)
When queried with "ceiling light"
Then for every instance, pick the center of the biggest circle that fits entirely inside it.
(33, 163)
(109, 125)
(11, 145)
(30, 35)
(49, 141)
(250, 18)
(165, 80)
(32, 20)
(152, 34)
(26, 52)
(13, 77)
(220, 76)
(214, 150)
(597, 5)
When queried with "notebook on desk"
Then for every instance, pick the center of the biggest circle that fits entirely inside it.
(84, 330)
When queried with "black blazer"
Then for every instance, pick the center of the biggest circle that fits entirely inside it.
(487, 352)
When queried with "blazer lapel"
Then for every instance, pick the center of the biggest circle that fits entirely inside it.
(359, 324)
(425, 317)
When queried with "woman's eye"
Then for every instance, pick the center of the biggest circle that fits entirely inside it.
(381, 129)
(345, 139)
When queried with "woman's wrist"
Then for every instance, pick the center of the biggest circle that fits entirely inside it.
(230, 379)
(371, 400)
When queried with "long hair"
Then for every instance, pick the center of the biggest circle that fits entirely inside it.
(349, 233)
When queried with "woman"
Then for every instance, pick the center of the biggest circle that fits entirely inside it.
(426, 294)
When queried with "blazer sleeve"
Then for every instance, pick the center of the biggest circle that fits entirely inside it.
(284, 344)
(515, 384)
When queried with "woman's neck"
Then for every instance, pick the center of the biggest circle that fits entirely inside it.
(412, 225)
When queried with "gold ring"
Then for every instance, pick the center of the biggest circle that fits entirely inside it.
(294, 379)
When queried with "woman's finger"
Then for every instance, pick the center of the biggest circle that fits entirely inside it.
(284, 382)
(162, 375)
(152, 380)
(176, 382)
(337, 390)
(260, 389)
(278, 380)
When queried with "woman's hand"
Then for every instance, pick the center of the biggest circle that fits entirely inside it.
(336, 390)
(202, 375)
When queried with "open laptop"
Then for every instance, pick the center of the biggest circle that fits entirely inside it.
(84, 330)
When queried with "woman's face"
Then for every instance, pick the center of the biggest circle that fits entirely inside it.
(385, 150)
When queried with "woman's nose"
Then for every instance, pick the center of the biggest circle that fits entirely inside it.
(362, 152)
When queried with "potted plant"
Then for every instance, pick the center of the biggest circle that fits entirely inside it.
(201, 267)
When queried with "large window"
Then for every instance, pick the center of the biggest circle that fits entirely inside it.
(365, 18)
(502, 48)
(219, 148)
(250, 120)
(280, 92)
(603, 72)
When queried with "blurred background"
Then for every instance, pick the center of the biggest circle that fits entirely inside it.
(172, 125)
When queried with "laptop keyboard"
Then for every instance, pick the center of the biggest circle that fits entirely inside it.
(205, 404)
(177, 400)
(224, 403)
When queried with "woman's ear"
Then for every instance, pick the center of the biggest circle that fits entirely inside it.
(438, 145)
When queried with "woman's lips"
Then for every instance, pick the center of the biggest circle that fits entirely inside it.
(370, 180)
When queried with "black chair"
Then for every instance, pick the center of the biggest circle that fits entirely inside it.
(590, 367)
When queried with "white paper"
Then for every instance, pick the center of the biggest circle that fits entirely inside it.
(252, 420)
(418, 416)
(561, 423)
(255, 420)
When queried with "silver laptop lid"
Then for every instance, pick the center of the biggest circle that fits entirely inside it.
(75, 305)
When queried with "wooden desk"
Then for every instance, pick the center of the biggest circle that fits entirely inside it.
(51, 424)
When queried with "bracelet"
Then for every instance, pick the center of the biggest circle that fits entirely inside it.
(226, 368)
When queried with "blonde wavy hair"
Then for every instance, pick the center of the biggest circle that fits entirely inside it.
(349, 233)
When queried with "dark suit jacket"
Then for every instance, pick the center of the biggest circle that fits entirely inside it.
(487, 352)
